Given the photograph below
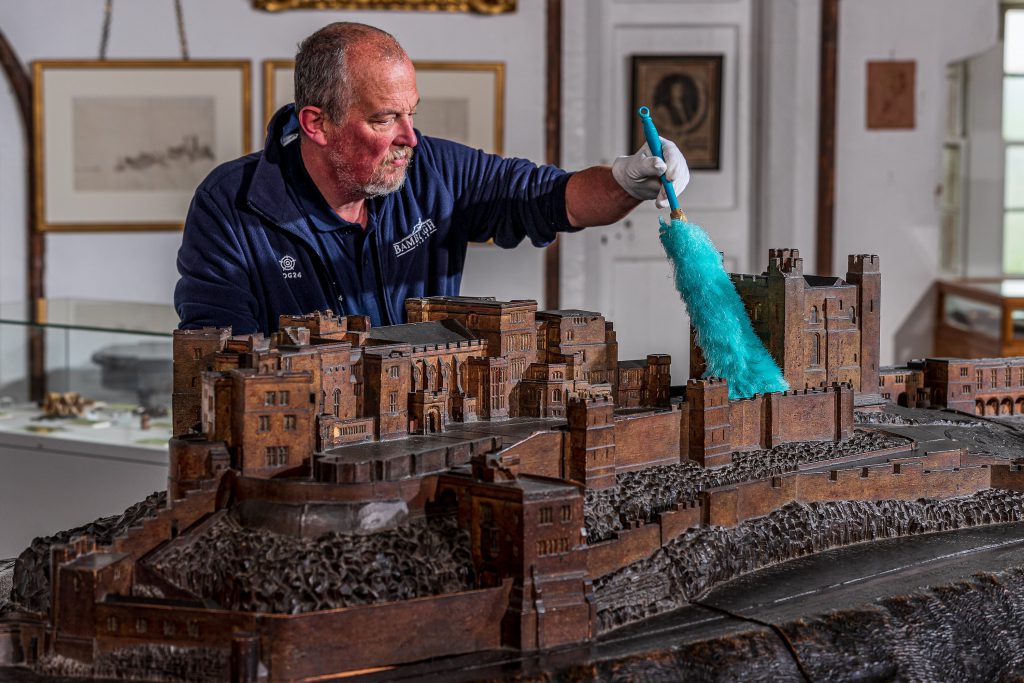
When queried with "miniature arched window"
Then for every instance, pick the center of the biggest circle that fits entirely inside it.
(337, 403)
(814, 314)
(416, 378)
(853, 314)
(445, 376)
(323, 400)
(816, 350)
(556, 395)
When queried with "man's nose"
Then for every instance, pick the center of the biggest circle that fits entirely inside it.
(406, 136)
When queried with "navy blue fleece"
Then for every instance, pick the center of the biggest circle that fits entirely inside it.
(260, 240)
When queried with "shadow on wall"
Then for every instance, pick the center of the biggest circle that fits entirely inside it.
(915, 336)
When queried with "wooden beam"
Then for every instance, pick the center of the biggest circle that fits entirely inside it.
(21, 84)
(553, 139)
(827, 104)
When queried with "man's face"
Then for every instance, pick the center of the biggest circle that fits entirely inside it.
(371, 147)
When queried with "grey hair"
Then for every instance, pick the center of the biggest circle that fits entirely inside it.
(321, 74)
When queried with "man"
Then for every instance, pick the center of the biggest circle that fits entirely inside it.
(349, 208)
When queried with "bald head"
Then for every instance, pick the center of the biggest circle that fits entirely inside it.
(330, 62)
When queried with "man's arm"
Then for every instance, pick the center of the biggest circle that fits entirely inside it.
(605, 194)
(593, 197)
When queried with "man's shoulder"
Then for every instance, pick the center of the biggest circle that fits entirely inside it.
(231, 176)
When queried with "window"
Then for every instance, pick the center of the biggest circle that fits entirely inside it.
(814, 314)
(967, 388)
(1013, 139)
(276, 456)
(545, 515)
(337, 403)
(264, 423)
(566, 513)
(994, 374)
(979, 378)
(197, 353)
(816, 350)
(284, 398)
(393, 402)
(289, 423)
(393, 372)
(556, 396)
(1007, 377)
(270, 398)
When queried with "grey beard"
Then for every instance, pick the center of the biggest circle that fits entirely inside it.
(379, 188)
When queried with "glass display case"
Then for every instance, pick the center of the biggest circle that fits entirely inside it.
(980, 318)
(106, 369)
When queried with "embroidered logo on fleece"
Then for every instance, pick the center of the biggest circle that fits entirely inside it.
(288, 268)
(420, 232)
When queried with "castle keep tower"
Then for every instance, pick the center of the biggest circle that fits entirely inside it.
(708, 401)
(819, 329)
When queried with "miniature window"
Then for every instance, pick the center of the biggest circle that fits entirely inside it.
(289, 422)
(995, 378)
(393, 402)
(323, 401)
(284, 398)
(264, 423)
(1020, 376)
(197, 353)
(270, 398)
(568, 335)
(967, 388)
(814, 314)
(816, 350)
(556, 395)
(566, 513)
(337, 403)
(1008, 377)
(887, 396)
(963, 372)
(881, 381)
(393, 372)
(545, 515)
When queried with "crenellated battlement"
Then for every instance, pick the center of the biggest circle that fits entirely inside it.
(863, 263)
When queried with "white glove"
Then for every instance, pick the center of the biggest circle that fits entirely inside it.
(640, 174)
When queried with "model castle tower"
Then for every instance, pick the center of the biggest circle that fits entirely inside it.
(819, 329)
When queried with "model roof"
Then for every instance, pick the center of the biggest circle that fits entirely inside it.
(435, 332)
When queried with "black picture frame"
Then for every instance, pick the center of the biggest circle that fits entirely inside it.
(684, 94)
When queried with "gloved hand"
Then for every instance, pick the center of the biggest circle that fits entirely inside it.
(640, 174)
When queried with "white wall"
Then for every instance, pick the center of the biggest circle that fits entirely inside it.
(140, 267)
(886, 200)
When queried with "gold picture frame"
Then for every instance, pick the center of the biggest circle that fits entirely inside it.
(460, 101)
(121, 145)
(477, 6)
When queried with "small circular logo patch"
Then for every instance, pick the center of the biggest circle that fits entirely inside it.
(287, 263)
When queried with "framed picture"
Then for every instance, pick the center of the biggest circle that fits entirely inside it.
(684, 94)
(460, 101)
(122, 145)
(479, 6)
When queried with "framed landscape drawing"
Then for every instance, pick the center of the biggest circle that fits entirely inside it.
(684, 94)
(122, 145)
(460, 101)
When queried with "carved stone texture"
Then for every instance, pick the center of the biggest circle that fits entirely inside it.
(31, 589)
(699, 559)
(257, 570)
(145, 662)
(639, 496)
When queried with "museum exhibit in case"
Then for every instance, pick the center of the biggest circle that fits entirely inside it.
(95, 439)
(980, 317)
(489, 492)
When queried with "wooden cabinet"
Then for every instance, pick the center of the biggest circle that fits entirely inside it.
(980, 318)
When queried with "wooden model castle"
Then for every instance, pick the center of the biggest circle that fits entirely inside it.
(507, 419)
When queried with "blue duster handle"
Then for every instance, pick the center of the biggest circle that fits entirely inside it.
(654, 142)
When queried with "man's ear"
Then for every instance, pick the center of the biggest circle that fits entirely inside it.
(312, 120)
